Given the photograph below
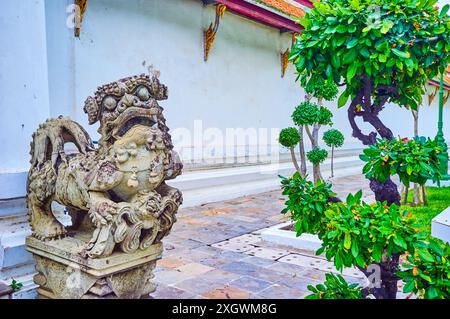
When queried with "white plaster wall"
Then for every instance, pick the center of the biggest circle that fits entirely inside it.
(240, 85)
(24, 101)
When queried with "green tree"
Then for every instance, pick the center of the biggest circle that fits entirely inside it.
(369, 237)
(289, 137)
(333, 138)
(381, 51)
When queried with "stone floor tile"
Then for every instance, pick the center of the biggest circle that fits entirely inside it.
(250, 284)
(170, 276)
(297, 282)
(218, 211)
(192, 221)
(287, 268)
(233, 246)
(242, 268)
(219, 276)
(246, 269)
(227, 293)
(169, 292)
(302, 260)
(353, 272)
(242, 200)
(194, 269)
(257, 261)
(197, 285)
(246, 239)
(315, 274)
(172, 262)
(268, 253)
(277, 291)
(244, 218)
(350, 272)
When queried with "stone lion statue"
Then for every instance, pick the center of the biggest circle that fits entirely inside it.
(115, 194)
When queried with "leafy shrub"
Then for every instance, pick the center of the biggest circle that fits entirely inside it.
(289, 137)
(16, 285)
(306, 113)
(306, 202)
(337, 42)
(333, 138)
(358, 234)
(325, 116)
(415, 160)
(317, 155)
(428, 271)
(321, 88)
(335, 287)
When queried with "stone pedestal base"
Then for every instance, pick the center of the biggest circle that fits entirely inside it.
(64, 274)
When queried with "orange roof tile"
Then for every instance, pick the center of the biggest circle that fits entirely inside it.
(285, 7)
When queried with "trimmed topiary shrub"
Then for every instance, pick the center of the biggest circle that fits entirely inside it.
(317, 155)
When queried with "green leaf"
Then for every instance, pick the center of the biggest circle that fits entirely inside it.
(347, 241)
(377, 253)
(365, 52)
(341, 28)
(409, 287)
(400, 242)
(355, 249)
(343, 99)
(425, 255)
(351, 71)
(354, 4)
(350, 56)
(352, 43)
(444, 10)
(305, 22)
(401, 54)
(432, 293)
(387, 25)
(335, 61)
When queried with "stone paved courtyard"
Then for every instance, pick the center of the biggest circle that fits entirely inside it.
(215, 251)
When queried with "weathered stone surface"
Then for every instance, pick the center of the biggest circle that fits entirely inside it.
(116, 194)
(5, 291)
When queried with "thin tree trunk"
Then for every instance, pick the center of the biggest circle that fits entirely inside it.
(405, 199)
(332, 159)
(316, 167)
(294, 160)
(415, 115)
(301, 148)
(416, 194)
(310, 136)
(424, 195)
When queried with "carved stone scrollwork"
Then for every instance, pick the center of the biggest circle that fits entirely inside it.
(116, 194)
(209, 35)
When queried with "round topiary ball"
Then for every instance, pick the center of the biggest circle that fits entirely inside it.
(325, 116)
(317, 155)
(329, 90)
(333, 138)
(289, 137)
(317, 86)
(306, 113)
(314, 85)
